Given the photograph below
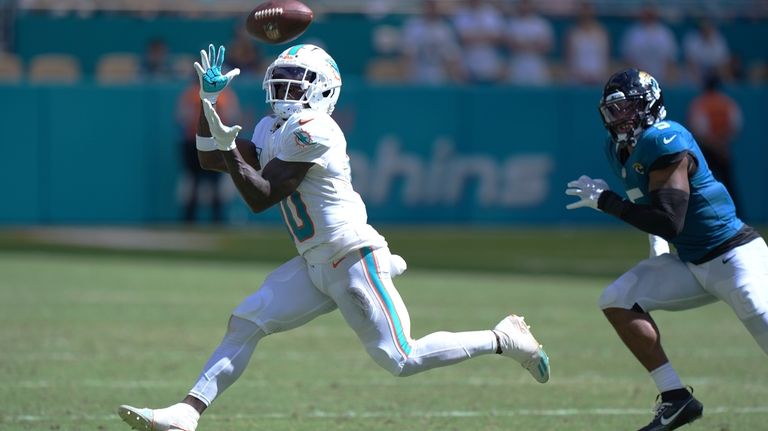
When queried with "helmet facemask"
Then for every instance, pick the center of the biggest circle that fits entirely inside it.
(302, 77)
(287, 89)
(626, 117)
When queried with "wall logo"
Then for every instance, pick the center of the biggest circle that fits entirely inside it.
(447, 177)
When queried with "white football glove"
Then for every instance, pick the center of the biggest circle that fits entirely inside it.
(212, 82)
(222, 134)
(587, 190)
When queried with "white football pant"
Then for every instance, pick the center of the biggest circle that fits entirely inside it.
(360, 286)
(738, 278)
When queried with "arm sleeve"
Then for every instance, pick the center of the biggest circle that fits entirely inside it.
(665, 217)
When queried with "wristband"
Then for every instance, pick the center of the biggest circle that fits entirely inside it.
(205, 144)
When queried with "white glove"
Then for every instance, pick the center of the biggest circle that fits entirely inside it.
(222, 134)
(588, 191)
(658, 245)
(212, 82)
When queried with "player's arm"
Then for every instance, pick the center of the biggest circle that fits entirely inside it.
(210, 157)
(259, 189)
(669, 192)
(212, 83)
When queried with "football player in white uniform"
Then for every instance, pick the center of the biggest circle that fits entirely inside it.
(297, 159)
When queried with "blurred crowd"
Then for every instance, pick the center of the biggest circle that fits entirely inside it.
(515, 42)
(483, 41)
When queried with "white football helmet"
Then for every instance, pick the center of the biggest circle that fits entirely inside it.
(303, 76)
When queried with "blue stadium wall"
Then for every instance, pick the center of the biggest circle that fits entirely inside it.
(91, 154)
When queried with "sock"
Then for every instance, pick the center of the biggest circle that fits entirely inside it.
(666, 378)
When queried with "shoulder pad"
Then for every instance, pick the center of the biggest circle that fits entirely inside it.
(309, 127)
(666, 137)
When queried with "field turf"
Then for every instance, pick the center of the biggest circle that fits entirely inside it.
(84, 328)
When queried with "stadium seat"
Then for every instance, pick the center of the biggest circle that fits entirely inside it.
(54, 68)
(385, 69)
(117, 68)
(10, 67)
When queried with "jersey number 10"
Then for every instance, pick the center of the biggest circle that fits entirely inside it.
(296, 217)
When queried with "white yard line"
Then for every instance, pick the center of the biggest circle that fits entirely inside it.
(319, 414)
(386, 382)
(124, 238)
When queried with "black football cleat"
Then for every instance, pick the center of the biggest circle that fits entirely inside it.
(669, 415)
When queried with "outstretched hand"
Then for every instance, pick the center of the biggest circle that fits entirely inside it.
(212, 82)
(223, 135)
(587, 190)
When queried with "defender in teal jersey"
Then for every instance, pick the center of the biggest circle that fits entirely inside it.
(672, 195)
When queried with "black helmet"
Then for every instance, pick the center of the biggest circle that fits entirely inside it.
(631, 102)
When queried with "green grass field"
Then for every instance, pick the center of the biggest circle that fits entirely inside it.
(84, 329)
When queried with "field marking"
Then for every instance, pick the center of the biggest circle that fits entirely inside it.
(320, 414)
(388, 382)
(123, 238)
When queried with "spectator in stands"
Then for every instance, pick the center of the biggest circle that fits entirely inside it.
(431, 52)
(706, 52)
(243, 53)
(758, 71)
(650, 45)
(199, 185)
(736, 67)
(480, 26)
(156, 63)
(530, 38)
(587, 49)
(715, 120)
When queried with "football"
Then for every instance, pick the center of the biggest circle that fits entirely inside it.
(278, 21)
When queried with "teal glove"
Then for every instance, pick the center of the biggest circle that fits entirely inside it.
(212, 82)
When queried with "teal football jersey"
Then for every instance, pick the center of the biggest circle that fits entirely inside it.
(711, 218)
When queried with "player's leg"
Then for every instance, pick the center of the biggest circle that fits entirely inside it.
(225, 365)
(740, 279)
(362, 288)
(287, 299)
(660, 283)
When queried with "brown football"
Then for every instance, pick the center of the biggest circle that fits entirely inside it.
(278, 21)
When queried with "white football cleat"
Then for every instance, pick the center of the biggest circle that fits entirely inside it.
(517, 342)
(178, 417)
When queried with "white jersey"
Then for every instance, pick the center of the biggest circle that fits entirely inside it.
(325, 216)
